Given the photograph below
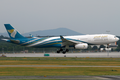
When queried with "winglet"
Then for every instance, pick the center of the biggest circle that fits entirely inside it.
(31, 35)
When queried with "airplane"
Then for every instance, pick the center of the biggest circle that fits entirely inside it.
(61, 42)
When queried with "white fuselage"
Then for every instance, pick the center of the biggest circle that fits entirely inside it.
(96, 39)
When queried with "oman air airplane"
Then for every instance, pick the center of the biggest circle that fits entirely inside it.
(61, 42)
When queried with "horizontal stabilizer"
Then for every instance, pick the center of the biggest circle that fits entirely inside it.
(15, 41)
(5, 39)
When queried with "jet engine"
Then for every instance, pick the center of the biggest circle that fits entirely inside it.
(81, 46)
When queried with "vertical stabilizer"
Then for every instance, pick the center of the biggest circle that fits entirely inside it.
(14, 34)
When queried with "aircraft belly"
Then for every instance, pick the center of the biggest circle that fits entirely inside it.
(48, 46)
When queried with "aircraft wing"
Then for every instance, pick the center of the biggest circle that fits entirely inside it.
(66, 42)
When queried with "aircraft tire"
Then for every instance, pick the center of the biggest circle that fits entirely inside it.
(58, 51)
(64, 52)
(67, 50)
(61, 49)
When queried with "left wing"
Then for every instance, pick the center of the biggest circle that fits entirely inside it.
(66, 42)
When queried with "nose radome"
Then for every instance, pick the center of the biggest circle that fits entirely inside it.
(117, 38)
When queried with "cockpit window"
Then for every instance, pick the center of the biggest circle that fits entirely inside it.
(115, 37)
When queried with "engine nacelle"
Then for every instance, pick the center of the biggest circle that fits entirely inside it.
(81, 46)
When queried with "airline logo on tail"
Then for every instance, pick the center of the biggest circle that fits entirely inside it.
(12, 32)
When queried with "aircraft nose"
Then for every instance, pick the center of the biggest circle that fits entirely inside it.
(117, 38)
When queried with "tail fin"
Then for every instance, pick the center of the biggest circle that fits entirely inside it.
(12, 32)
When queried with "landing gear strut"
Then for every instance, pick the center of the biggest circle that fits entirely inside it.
(66, 50)
(107, 45)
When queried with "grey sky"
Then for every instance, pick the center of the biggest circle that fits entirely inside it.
(83, 16)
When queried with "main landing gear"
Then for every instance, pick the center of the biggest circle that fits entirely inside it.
(63, 51)
(108, 46)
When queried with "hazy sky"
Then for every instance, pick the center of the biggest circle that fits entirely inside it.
(83, 16)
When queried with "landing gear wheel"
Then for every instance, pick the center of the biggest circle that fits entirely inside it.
(61, 49)
(58, 51)
(64, 52)
(67, 50)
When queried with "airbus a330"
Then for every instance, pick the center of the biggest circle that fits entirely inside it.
(61, 42)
